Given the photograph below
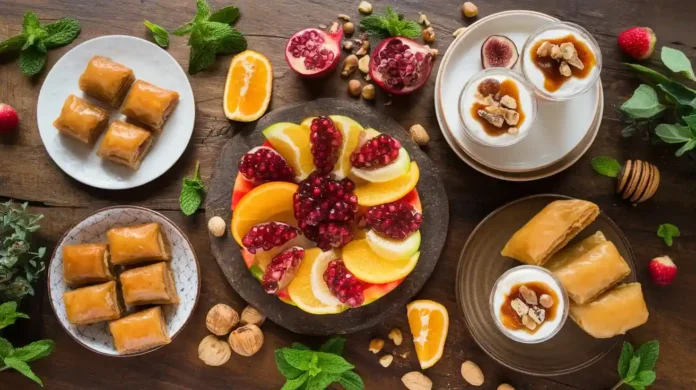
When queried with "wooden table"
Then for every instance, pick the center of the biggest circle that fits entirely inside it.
(28, 174)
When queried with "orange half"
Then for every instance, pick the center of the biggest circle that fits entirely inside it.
(248, 87)
(429, 323)
(265, 203)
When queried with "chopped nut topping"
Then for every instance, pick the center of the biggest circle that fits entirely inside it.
(537, 314)
(546, 301)
(495, 120)
(544, 50)
(386, 360)
(508, 102)
(513, 131)
(396, 336)
(568, 50)
(376, 345)
(556, 52)
(496, 110)
(512, 117)
(528, 295)
(528, 322)
(565, 69)
(519, 307)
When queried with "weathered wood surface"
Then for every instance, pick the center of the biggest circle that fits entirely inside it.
(27, 173)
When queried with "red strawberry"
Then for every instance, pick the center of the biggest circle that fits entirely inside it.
(8, 118)
(662, 270)
(638, 42)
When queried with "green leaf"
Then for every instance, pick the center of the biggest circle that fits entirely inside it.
(32, 26)
(160, 35)
(673, 134)
(232, 43)
(650, 75)
(32, 61)
(606, 166)
(687, 147)
(14, 43)
(33, 351)
(625, 359)
(677, 62)
(227, 15)
(391, 24)
(314, 370)
(322, 381)
(189, 200)
(643, 379)
(299, 359)
(644, 103)
(351, 381)
(333, 364)
(300, 346)
(288, 371)
(9, 314)
(5, 348)
(183, 30)
(22, 368)
(667, 231)
(256, 271)
(202, 50)
(202, 11)
(61, 33)
(334, 345)
(690, 120)
(679, 93)
(635, 387)
(633, 366)
(293, 384)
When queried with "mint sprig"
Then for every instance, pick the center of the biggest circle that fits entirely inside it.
(191, 193)
(305, 369)
(606, 166)
(9, 314)
(391, 24)
(637, 368)
(668, 232)
(159, 33)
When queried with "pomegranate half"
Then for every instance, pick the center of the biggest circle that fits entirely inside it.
(400, 65)
(314, 53)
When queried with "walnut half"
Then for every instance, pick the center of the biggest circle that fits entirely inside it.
(495, 120)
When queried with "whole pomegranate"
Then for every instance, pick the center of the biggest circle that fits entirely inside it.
(314, 53)
(400, 65)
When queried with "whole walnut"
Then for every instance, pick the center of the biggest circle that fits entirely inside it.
(221, 319)
(246, 340)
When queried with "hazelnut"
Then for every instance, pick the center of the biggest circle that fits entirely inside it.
(386, 360)
(415, 380)
(423, 20)
(429, 35)
(221, 319)
(469, 9)
(365, 8)
(368, 92)
(354, 88)
(458, 31)
(364, 64)
(246, 340)
(395, 336)
(505, 386)
(344, 17)
(213, 352)
(349, 65)
(376, 345)
(348, 28)
(216, 226)
(252, 315)
(471, 373)
(419, 135)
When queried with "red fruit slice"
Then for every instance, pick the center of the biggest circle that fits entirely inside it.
(400, 65)
(325, 140)
(376, 152)
(282, 269)
(242, 187)
(262, 164)
(343, 284)
(314, 53)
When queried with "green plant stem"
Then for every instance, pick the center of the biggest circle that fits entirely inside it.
(621, 382)
(195, 174)
(4, 368)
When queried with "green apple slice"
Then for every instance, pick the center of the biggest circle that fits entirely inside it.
(319, 288)
(397, 168)
(392, 249)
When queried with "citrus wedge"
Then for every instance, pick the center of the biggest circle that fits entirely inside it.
(350, 130)
(369, 267)
(248, 87)
(373, 194)
(429, 322)
(319, 287)
(292, 142)
(307, 122)
(300, 288)
(265, 203)
(392, 249)
(397, 168)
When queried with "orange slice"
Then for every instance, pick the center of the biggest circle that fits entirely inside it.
(373, 194)
(300, 288)
(429, 323)
(265, 203)
(369, 267)
(248, 87)
(292, 142)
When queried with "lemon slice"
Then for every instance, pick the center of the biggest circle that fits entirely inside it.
(300, 288)
(398, 167)
(369, 267)
(292, 142)
(391, 249)
(351, 131)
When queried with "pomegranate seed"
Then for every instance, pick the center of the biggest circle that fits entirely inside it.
(376, 152)
(266, 236)
(343, 284)
(397, 220)
(263, 164)
(325, 140)
(282, 269)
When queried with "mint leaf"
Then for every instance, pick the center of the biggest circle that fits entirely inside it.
(649, 74)
(606, 166)
(9, 314)
(160, 35)
(33, 351)
(14, 43)
(643, 378)
(32, 26)
(191, 193)
(679, 93)
(5, 348)
(202, 11)
(687, 147)
(351, 381)
(690, 120)
(667, 231)
(321, 381)
(299, 359)
(673, 133)
(334, 345)
(32, 61)
(644, 103)
(227, 15)
(234, 42)
(391, 24)
(285, 369)
(333, 364)
(633, 366)
(625, 359)
(300, 346)
(22, 368)
(293, 384)
(183, 30)
(677, 62)
(61, 33)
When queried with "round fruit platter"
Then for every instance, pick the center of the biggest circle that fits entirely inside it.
(336, 218)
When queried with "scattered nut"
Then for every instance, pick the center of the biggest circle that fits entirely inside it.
(429, 35)
(221, 319)
(528, 295)
(349, 65)
(508, 102)
(386, 360)
(469, 9)
(365, 8)
(423, 20)
(376, 345)
(513, 131)
(396, 336)
(216, 226)
(545, 300)
(458, 31)
(252, 315)
(471, 373)
(528, 322)
(419, 135)
(405, 355)
(568, 50)
(512, 117)
(348, 46)
(344, 17)
(565, 69)
(364, 64)
(246, 340)
(348, 28)
(415, 380)
(519, 307)
(537, 314)
(544, 50)
(354, 88)
(213, 352)
(505, 386)
(495, 120)
(368, 92)
(496, 110)
(364, 48)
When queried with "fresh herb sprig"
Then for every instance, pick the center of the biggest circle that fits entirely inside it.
(159, 34)
(36, 39)
(17, 358)
(606, 166)
(391, 24)
(637, 368)
(191, 193)
(668, 232)
(305, 369)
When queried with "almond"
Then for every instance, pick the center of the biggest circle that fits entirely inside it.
(415, 380)
(471, 373)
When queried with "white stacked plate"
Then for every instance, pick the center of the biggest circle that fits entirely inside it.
(562, 132)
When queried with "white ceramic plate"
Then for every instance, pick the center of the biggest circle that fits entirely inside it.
(560, 127)
(150, 63)
(185, 269)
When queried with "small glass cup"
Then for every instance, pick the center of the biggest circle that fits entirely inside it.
(465, 103)
(532, 73)
(549, 279)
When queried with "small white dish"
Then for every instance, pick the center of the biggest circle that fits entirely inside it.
(184, 265)
(150, 63)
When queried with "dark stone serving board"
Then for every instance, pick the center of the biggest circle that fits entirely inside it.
(228, 254)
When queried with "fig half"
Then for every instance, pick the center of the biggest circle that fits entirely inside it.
(498, 51)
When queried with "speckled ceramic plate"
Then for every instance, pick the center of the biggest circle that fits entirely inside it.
(184, 264)
(481, 264)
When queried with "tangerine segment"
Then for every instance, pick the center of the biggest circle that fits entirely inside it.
(373, 194)
(429, 322)
(369, 267)
(265, 203)
(248, 87)
(292, 142)
(300, 288)
(351, 131)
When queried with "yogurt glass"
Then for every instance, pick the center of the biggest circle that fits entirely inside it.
(573, 86)
(529, 274)
(473, 127)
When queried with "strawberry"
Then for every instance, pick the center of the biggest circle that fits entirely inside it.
(8, 118)
(662, 270)
(638, 42)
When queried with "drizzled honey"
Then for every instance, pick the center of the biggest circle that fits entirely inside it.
(512, 321)
(507, 87)
(550, 67)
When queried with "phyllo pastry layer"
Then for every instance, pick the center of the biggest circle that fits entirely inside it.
(550, 230)
(106, 80)
(152, 284)
(125, 144)
(140, 331)
(86, 264)
(149, 104)
(137, 244)
(88, 305)
(81, 120)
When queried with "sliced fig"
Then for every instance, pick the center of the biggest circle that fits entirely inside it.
(498, 51)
